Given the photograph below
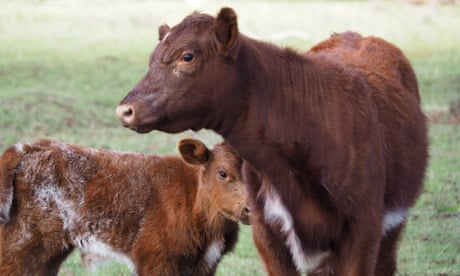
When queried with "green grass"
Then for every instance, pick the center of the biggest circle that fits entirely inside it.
(64, 66)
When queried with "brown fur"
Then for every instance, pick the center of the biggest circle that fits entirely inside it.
(334, 140)
(163, 214)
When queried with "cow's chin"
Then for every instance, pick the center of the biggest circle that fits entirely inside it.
(177, 124)
(140, 128)
(146, 124)
(165, 123)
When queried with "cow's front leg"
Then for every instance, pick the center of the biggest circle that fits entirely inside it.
(274, 254)
(272, 250)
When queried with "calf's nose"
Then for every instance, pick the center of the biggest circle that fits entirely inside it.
(246, 210)
(125, 113)
(246, 216)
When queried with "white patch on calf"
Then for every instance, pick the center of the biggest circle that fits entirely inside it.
(65, 208)
(394, 218)
(19, 147)
(275, 211)
(213, 253)
(92, 246)
(94, 151)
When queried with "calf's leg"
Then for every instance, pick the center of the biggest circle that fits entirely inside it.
(31, 262)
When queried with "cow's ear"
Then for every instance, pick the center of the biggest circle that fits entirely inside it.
(162, 31)
(226, 28)
(194, 151)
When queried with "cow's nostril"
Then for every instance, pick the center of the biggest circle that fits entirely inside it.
(128, 112)
(125, 113)
(247, 210)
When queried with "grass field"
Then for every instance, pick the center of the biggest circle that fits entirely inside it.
(64, 66)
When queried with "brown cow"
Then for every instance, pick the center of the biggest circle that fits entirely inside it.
(335, 146)
(162, 215)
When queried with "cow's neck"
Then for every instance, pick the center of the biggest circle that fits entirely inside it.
(284, 94)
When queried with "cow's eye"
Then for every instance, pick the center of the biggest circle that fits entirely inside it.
(188, 57)
(222, 175)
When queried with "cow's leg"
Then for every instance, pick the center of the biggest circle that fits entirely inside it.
(387, 258)
(273, 252)
(358, 251)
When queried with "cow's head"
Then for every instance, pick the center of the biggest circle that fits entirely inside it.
(192, 82)
(220, 181)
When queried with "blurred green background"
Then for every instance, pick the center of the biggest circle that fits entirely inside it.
(65, 64)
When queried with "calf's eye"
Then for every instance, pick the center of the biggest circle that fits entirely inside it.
(222, 175)
(188, 57)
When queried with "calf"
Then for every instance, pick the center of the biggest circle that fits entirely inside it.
(160, 215)
(334, 140)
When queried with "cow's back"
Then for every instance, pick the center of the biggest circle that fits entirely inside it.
(371, 54)
(395, 93)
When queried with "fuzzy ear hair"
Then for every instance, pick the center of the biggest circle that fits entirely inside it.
(226, 28)
(9, 163)
(162, 31)
(194, 151)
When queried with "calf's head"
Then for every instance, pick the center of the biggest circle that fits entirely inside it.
(220, 178)
(192, 79)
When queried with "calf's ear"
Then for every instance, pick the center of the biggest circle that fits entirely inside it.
(193, 151)
(226, 28)
(162, 31)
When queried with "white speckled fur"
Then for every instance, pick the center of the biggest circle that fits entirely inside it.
(92, 246)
